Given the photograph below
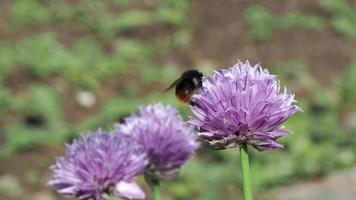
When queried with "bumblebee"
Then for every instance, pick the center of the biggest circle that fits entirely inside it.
(186, 84)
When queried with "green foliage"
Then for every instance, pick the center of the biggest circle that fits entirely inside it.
(5, 99)
(263, 23)
(29, 12)
(7, 60)
(33, 176)
(134, 51)
(41, 121)
(182, 38)
(296, 19)
(87, 56)
(294, 75)
(42, 54)
(313, 150)
(215, 176)
(98, 15)
(343, 17)
(173, 12)
(347, 86)
(134, 18)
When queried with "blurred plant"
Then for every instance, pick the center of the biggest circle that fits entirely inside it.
(7, 60)
(263, 23)
(99, 15)
(315, 151)
(321, 110)
(33, 176)
(295, 74)
(130, 50)
(173, 12)
(87, 56)
(5, 100)
(343, 16)
(182, 38)
(133, 18)
(41, 54)
(347, 87)
(296, 19)
(142, 55)
(29, 12)
(214, 175)
(41, 121)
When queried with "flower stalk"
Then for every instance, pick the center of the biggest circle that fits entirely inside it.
(245, 172)
(156, 190)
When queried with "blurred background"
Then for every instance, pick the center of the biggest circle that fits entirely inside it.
(70, 66)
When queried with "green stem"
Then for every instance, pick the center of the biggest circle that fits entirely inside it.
(105, 197)
(155, 190)
(245, 171)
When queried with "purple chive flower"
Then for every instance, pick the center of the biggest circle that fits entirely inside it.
(168, 141)
(100, 163)
(242, 104)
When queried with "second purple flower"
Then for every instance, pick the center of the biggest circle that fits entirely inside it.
(168, 141)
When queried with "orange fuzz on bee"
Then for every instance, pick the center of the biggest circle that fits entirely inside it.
(186, 85)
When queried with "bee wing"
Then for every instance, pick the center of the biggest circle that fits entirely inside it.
(172, 85)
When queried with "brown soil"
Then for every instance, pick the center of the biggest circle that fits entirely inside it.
(4, 15)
